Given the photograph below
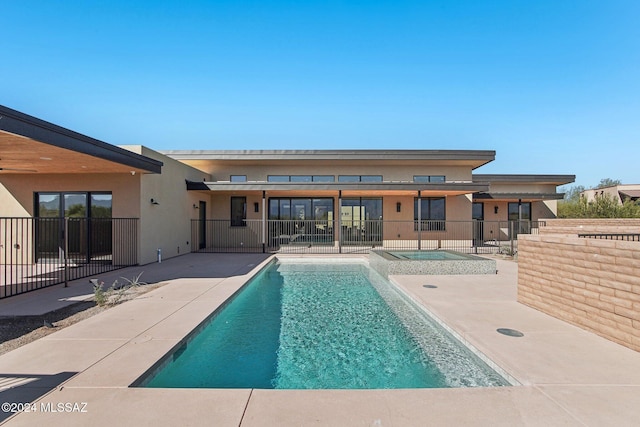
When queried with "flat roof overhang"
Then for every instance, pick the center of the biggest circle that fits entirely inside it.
(531, 179)
(368, 189)
(514, 197)
(31, 145)
(471, 158)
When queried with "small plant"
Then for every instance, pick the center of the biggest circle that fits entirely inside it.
(100, 296)
(116, 293)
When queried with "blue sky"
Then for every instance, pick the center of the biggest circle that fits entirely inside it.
(552, 86)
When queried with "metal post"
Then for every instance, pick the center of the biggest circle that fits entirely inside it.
(339, 223)
(264, 221)
(65, 254)
(419, 219)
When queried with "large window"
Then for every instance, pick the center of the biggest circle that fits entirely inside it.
(361, 220)
(73, 205)
(88, 225)
(238, 211)
(514, 211)
(301, 209)
(432, 213)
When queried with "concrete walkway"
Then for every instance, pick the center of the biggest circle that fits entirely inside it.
(568, 376)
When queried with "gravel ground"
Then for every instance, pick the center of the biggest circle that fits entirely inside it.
(16, 331)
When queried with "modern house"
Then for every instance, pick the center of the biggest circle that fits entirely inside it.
(145, 204)
(619, 193)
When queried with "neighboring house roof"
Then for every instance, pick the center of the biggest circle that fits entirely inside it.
(28, 145)
(631, 194)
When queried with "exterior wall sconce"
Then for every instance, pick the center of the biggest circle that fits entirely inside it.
(195, 206)
(256, 207)
(154, 202)
(398, 207)
(495, 209)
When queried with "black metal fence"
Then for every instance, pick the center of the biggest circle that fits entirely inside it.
(40, 252)
(631, 237)
(358, 236)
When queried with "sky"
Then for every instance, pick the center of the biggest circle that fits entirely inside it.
(553, 86)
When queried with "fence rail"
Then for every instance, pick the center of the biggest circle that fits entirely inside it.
(632, 237)
(358, 236)
(40, 252)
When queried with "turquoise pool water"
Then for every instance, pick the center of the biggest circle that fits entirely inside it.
(322, 326)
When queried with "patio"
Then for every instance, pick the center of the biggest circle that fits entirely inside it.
(568, 376)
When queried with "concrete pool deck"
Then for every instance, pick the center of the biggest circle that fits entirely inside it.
(568, 376)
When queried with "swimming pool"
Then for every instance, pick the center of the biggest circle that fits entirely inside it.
(328, 325)
(429, 262)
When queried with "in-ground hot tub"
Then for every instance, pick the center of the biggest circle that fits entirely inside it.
(429, 262)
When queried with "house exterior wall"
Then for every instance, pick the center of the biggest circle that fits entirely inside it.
(390, 172)
(167, 225)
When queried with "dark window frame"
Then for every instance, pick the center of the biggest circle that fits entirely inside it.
(236, 221)
(427, 222)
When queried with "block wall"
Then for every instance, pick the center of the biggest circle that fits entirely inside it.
(591, 283)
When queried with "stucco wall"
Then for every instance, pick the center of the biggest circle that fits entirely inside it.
(222, 172)
(591, 283)
(167, 225)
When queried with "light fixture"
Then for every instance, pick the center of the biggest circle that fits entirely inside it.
(398, 207)
(195, 206)
(154, 202)
(495, 209)
(256, 207)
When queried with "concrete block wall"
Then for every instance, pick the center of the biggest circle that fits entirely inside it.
(588, 225)
(591, 283)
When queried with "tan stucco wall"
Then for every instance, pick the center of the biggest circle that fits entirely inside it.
(17, 191)
(167, 225)
(389, 172)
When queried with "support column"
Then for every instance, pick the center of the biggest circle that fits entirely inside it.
(339, 221)
(419, 219)
(264, 221)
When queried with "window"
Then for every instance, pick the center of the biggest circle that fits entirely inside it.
(432, 212)
(429, 178)
(360, 178)
(301, 209)
(73, 205)
(238, 211)
(513, 211)
(301, 178)
(238, 178)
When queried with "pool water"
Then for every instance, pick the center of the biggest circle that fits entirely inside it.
(322, 326)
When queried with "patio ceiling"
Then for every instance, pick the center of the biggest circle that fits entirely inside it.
(31, 145)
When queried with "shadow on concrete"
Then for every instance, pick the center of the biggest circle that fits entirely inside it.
(18, 390)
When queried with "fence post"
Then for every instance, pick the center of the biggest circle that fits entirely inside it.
(65, 250)
(419, 220)
(512, 234)
(339, 221)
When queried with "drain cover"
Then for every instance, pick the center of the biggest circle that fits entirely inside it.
(510, 332)
(429, 286)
